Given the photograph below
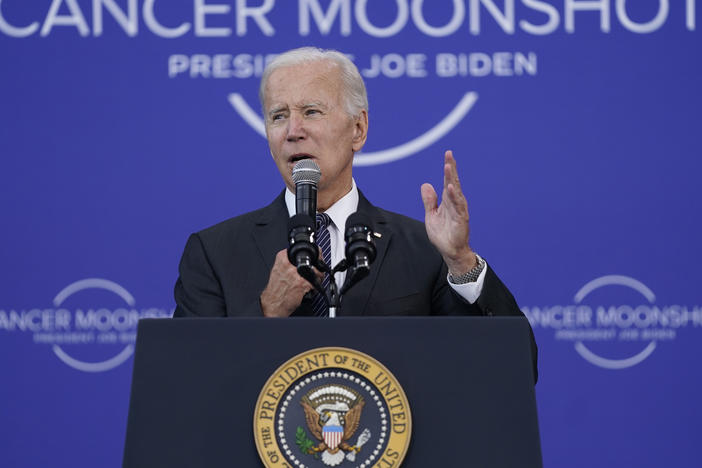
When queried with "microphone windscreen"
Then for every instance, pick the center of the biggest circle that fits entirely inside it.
(306, 172)
(301, 220)
(358, 219)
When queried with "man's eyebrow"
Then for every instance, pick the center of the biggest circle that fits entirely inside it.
(307, 105)
(276, 109)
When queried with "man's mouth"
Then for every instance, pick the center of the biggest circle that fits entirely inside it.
(299, 157)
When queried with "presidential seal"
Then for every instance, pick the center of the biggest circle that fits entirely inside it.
(332, 407)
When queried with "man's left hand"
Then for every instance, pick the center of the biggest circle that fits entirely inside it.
(447, 224)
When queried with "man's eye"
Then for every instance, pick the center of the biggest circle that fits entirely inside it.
(312, 112)
(277, 117)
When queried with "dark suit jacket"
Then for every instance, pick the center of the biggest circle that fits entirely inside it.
(225, 268)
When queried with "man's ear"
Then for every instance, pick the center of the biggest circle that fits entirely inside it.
(360, 131)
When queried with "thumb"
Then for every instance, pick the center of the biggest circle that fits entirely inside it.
(429, 198)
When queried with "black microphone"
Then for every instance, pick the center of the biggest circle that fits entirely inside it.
(306, 175)
(360, 248)
(302, 248)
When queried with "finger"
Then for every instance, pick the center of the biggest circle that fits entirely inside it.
(458, 202)
(287, 269)
(306, 286)
(450, 170)
(429, 198)
(319, 273)
(301, 284)
(282, 260)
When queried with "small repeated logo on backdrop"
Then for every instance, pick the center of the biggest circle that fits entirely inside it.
(332, 407)
(91, 326)
(610, 326)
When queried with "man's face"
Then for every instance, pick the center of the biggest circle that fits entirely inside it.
(306, 118)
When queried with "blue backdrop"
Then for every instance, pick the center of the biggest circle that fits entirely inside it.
(125, 125)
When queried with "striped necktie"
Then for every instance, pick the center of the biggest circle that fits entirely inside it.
(319, 305)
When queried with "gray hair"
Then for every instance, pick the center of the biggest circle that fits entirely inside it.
(354, 89)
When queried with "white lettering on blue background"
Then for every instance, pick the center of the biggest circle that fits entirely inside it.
(240, 18)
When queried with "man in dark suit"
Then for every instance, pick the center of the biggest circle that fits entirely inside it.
(316, 107)
(408, 276)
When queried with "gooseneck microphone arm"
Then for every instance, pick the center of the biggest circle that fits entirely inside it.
(303, 251)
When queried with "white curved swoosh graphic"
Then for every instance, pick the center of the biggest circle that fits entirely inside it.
(383, 156)
(96, 283)
(247, 113)
(94, 366)
(618, 280)
(614, 363)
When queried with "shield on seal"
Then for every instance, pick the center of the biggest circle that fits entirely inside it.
(332, 436)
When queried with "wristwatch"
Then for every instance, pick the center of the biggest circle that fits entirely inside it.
(471, 276)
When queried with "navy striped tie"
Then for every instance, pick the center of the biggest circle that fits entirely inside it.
(319, 305)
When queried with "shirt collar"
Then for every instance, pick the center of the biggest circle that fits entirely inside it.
(338, 212)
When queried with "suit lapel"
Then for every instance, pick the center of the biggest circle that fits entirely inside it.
(269, 233)
(356, 300)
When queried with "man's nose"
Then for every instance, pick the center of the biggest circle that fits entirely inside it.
(296, 128)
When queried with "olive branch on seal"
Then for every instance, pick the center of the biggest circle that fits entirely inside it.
(304, 443)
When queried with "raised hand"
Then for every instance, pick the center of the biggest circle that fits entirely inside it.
(447, 224)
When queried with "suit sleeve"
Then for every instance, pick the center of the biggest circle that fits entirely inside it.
(494, 300)
(198, 292)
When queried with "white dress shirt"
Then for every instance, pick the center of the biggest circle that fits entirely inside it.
(341, 210)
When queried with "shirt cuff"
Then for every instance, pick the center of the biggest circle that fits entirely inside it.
(470, 291)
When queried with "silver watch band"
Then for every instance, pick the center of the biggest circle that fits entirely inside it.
(471, 276)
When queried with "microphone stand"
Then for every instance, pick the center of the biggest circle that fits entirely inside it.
(335, 300)
(302, 249)
(356, 271)
(332, 295)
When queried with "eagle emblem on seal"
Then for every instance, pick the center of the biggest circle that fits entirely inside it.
(333, 415)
